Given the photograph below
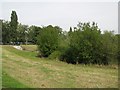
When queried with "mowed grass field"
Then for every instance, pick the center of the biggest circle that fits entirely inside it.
(23, 69)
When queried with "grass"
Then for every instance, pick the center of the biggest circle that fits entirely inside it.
(28, 70)
(29, 47)
(9, 82)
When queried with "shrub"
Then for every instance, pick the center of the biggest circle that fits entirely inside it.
(55, 55)
(48, 40)
(84, 45)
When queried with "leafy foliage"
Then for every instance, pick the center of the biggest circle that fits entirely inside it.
(55, 55)
(48, 40)
(88, 46)
(5, 32)
(13, 26)
(21, 31)
(33, 33)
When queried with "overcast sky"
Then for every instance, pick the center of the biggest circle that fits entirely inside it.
(63, 14)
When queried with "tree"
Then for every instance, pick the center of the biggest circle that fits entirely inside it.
(22, 36)
(118, 48)
(70, 29)
(0, 31)
(84, 45)
(109, 47)
(5, 32)
(13, 27)
(34, 31)
(48, 40)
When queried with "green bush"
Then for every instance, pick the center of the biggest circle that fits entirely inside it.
(55, 55)
(84, 46)
(47, 40)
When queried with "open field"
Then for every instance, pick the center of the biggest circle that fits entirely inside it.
(24, 69)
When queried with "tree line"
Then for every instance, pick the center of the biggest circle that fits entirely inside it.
(83, 44)
(14, 32)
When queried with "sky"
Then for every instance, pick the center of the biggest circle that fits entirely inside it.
(65, 13)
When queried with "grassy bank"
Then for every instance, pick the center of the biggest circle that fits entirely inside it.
(26, 70)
